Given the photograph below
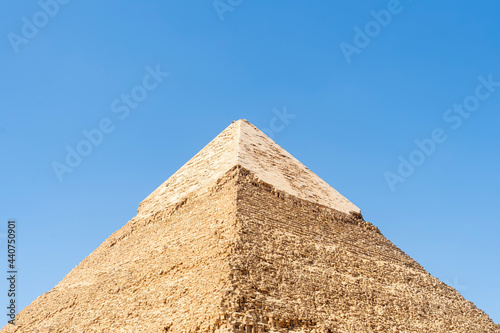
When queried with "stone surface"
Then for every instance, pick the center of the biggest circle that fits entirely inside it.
(244, 238)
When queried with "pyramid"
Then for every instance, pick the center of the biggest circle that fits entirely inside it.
(245, 238)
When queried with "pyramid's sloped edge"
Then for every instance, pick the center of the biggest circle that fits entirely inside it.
(208, 165)
(167, 271)
(274, 165)
(303, 267)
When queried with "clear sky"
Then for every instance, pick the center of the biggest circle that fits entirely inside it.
(395, 104)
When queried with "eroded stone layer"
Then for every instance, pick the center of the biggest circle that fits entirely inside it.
(166, 272)
(242, 256)
(302, 267)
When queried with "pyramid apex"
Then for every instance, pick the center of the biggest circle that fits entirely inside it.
(238, 123)
(243, 144)
(241, 121)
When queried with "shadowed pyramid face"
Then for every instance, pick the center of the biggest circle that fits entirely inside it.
(244, 238)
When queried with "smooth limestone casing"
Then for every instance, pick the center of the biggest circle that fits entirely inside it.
(243, 144)
(240, 254)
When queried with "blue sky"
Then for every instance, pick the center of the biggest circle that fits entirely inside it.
(428, 72)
